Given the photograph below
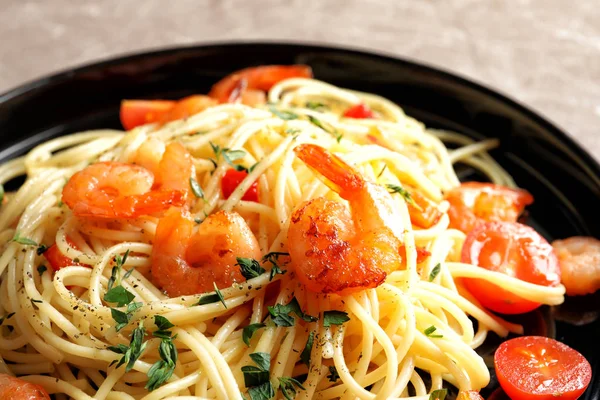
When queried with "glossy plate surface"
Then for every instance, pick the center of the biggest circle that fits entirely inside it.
(564, 179)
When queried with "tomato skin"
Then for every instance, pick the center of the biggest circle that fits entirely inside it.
(231, 181)
(540, 368)
(516, 250)
(474, 202)
(424, 213)
(186, 107)
(232, 87)
(58, 260)
(134, 113)
(359, 111)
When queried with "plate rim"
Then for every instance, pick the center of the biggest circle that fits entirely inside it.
(120, 58)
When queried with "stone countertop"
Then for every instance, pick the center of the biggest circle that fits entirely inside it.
(543, 53)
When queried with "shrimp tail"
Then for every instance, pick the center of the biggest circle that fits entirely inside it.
(333, 171)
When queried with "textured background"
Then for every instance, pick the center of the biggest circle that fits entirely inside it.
(544, 53)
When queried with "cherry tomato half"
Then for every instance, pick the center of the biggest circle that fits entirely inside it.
(515, 250)
(140, 112)
(58, 260)
(540, 368)
(233, 86)
(474, 202)
(424, 213)
(359, 111)
(231, 181)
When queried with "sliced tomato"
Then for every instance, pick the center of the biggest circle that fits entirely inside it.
(232, 87)
(515, 250)
(140, 112)
(424, 213)
(58, 260)
(232, 180)
(540, 368)
(359, 111)
(474, 202)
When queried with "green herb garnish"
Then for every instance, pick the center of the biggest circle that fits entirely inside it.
(285, 115)
(273, 258)
(132, 352)
(434, 272)
(212, 298)
(334, 317)
(305, 355)
(196, 189)
(24, 241)
(288, 386)
(249, 267)
(249, 330)
(429, 332)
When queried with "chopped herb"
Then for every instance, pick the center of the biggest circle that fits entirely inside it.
(249, 267)
(121, 318)
(273, 258)
(263, 360)
(162, 370)
(403, 192)
(305, 355)
(196, 189)
(262, 392)
(382, 170)
(228, 155)
(24, 241)
(132, 352)
(334, 317)
(232, 155)
(253, 166)
(249, 330)
(285, 115)
(1, 193)
(316, 105)
(434, 272)
(326, 127)
(116, 270)
(162, 323)
(128, 273)
(333, 374)
(119, 295)
(429, 332)
(288, 387)
(41, 269)
(280, 313)
(131, 307)
(291, 131)
(439, 394)
(37, 301)
(212, 298)
(255, 376)
(41, 249)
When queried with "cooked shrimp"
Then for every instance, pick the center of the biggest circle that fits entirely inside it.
(18, 389)
(579, 260)
(335, 250)
(117, 190)
(243, 85)
(187, 262)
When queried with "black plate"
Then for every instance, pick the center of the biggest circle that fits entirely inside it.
(564, 179)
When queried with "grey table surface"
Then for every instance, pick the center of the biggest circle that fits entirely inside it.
(543, 53)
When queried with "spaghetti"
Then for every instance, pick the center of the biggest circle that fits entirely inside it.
(402, 339)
